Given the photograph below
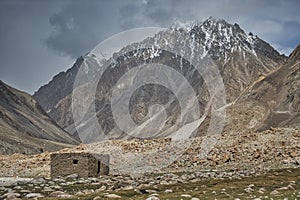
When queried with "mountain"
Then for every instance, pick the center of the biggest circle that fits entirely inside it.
(241, 59)
(272, 101)
(25, 127)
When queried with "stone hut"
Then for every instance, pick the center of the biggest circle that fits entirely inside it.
(83, 164)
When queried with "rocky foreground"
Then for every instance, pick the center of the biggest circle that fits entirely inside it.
(209, 184)
(238, 161)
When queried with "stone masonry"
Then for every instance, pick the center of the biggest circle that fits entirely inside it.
(82, 164)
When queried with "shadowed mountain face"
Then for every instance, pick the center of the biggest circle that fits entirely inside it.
(241, 59)
(24, 125)
(276, 97)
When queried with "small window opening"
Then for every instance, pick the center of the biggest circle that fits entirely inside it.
(98, 171)
(75, 162)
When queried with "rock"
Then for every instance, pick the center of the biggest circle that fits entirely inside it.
(24, 191)
(97, 198)
(168, 191)
(23, 181)
(154, 195)
(194, 198)
(186, 195)
(121, 184)
(51, 183)
(60, 180)
(11, 195)
(135, 184)
(60, 194)
(143, 185)
(102, 188)
(38, 181)
(138, 191)
(164, 182)
(65, 196)
(287, 161)
(226, 157)
(297, 160)
(93, 180)
(55, 187)
(283, 188)
(18, 188)
(292, 183)
(34, 195)
(274, 192)
(248, 190)
(293, 154)
(151, 191)
(170, 176)
(112, 196)
(128, 187)
(47, 189)
(184, 177)
(291, 187)
(71, 177)
(261, 190)
(12, 181)
(87, 191)
(79, 193)
(152, 198)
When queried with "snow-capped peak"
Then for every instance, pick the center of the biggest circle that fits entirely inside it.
(214, 37)
(219, 37)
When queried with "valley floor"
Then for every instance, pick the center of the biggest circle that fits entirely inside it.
(252, 165)
(274, 184)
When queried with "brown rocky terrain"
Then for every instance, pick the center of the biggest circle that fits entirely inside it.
(271, 101)
(270, 149)
(25, 127)
(247, 164)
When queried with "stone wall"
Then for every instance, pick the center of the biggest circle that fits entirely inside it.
(104, 163)
(82, 164)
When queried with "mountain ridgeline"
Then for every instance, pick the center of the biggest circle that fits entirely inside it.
(25, 127)
(271, 101)
(241, 58)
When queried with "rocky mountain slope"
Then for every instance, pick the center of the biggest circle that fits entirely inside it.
(272, 101)
(241, 59)
(25, 127)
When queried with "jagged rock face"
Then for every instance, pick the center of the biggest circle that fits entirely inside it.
(276, 96)
(49, 95)
(240, 58)
(25, 127)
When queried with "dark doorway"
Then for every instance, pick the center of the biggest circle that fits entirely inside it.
(75, 162)
(98, 171)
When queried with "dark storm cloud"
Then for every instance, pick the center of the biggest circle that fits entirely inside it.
(25, 61)
(40, 38)
(81, 25)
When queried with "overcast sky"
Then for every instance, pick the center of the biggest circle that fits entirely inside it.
(40, 38)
